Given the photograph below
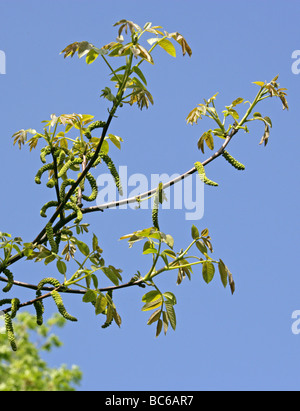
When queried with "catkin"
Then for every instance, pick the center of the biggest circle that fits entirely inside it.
(199, 167)
(75, 208)
(60, 306)
(96, 124)
(108, 161)
(10, 279)
(52, 242)
(48, 280)
(15, 302)
(45, 152)
(94, 188)
(10, 331)
(46, 206)
(68, 164)
(39, 309)
(66, 183)
(41, 171)
(236, 164)
(155, 209)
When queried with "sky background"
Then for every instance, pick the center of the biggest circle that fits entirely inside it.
(222, 342)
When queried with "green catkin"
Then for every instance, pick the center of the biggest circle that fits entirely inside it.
(10, 331)
(10, 279)
(236, 164)
(77, 210)
(50, 236)
(199, 167)
(38, 305)
(45, 152)
(60, 306)
(48, 280)
(39, 309)
(15, 302)
(91, 127)
(68, 164)
(66, 183)
(155, 209)
(41, 171)
(108, 161)
(46, 206)
(51, 183)
(94, 187)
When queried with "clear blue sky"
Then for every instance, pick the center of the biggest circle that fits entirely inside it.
(222, 342)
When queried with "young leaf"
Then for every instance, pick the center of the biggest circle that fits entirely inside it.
(83, 248)
(195, 232)
(205, 232)
(259, 83)
(139, 72)
(111, 275)
(151, 306)
(100, 305)
(154, 317)
(171, 314)
(201, 247)
(89, 297)
(95, 242)
(151, 296)
(61, 266)
(208, 271)
(168, 47)
(158, 327)
(223, 273)
(165, 322)
(170, 297)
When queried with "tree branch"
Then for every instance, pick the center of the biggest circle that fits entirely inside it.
(130, 200)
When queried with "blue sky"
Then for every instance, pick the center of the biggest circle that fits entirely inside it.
(222, 342)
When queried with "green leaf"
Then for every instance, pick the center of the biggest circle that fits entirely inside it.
(201, 247)
(169, 240)
(91, 56)
(208, 271)
(90, 296)
(83, 248)
(95, 242)
(154, 317)
(237, 101)
(195, 232)
(61, 266)
(170, 297)
(151, 296)
(49, 260)
(159, 327)
(170, 253)
(223, 273)
(116, 140)
(111, 275)
(165, 322)
(171, 314)
(100, 305)
(168, 47)
(152, 305)
(149, 248)
(209, 140)
(139, 72)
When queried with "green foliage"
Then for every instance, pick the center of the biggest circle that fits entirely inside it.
(25, 370)
(71, 152)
